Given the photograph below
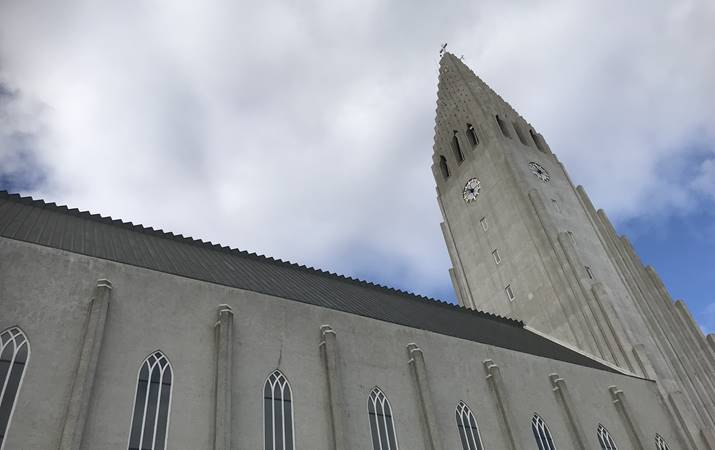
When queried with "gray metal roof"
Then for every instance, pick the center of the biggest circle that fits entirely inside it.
(38, 222)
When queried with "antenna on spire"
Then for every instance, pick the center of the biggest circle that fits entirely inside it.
(443, 49)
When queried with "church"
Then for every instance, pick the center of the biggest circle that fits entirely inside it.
(117, 336)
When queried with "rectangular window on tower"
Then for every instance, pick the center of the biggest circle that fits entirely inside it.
(497, 258)
(556, 205)
(589, 273)
(509, 292)
(485, 225)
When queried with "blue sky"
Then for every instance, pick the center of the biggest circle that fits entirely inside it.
(305, 132)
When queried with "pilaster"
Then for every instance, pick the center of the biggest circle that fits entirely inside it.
(496, 385)
(696, 333)
(628, 417)
(574, 423)
(329, 353)
(615, 328)
(78, 407)
(419, 374)
(224, 378)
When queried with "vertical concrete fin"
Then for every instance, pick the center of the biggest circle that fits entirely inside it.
(496, 385)
(687, 431)
(224, 378)
(696, 332)
(569, 408)
(419, 374)
(615, 328)
(711, 341)
(78, 407)
(329, 353)
(590, 316)
(572, 312)
(629, 419)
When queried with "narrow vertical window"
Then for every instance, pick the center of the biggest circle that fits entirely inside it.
(382, 427)
(278, 413)
(520, 133)
(509, 292)
(457, 149)
(556, 205)
(14, 355)
(604, 438)
(443, 167)
(495, 255)
(660, 443)
(150, 421)
(472, 135)
(537, 140)
(485, 225)
(503, 127)
(467, 428)
(542, 433)
(589, 272)
(572, 237)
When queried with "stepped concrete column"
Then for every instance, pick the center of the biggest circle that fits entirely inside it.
(696, 333)
(711, 341)
(629, 418)
(91, 347)
(506, 414)
(224, 378)
(329, 353)
(615, 326)
(419, 374)
(566, 402)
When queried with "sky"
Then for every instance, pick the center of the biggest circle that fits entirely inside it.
(303, 130)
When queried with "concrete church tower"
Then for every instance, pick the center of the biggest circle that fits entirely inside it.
(527, 243)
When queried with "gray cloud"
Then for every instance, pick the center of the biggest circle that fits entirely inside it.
(305, 131)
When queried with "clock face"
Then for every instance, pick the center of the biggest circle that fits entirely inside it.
(471, 190)
(539, 171)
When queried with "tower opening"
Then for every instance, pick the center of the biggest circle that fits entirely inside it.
(503, 127)
(443, 167)
(472, 135)
(457, 149)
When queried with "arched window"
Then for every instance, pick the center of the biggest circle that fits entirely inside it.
(542, 434)
(520, 133)
(278, 413)
(381, 426)
(472, 135)
(537, 141)
(604, 438)
(660, 443)
(467, 427)
(150, 422)
(503, 127)
(443, 167)
(14, 355)
(456, 148)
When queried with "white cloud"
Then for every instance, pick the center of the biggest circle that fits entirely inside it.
(305, 132)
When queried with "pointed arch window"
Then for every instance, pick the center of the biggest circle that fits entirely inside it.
(660, 443)
(456, 148)
(150, 421)
(605, 439)
(542, 433)
(14, 355)
(382, 427)
(467, 427)
(503, 127)
(443, 167)
(278, 413)
(472, 135)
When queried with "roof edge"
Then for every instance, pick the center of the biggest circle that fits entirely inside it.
(27, 200)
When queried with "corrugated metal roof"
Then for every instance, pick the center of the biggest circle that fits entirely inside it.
(47, 224)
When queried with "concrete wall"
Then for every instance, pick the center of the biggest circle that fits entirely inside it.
(46, 293)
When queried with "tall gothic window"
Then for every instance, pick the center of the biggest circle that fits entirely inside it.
(542, 433)
(503, 127)
(150, 421)
(467, 427)
(443, 167)
(660, 443)
(472, 135)
(457, 149)
(382, 427)
(604, 438)
(14, 355)
(278, 413)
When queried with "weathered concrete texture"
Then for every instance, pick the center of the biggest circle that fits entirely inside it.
(573, 277)
(329, 348)
(570, 410)
(224, 378)
(152, 310)
(419, 375)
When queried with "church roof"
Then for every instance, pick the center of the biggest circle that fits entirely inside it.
(50, 225)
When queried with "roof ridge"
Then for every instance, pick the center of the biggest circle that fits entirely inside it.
(16, 197)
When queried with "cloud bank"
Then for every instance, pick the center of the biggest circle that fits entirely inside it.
(304, 131)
